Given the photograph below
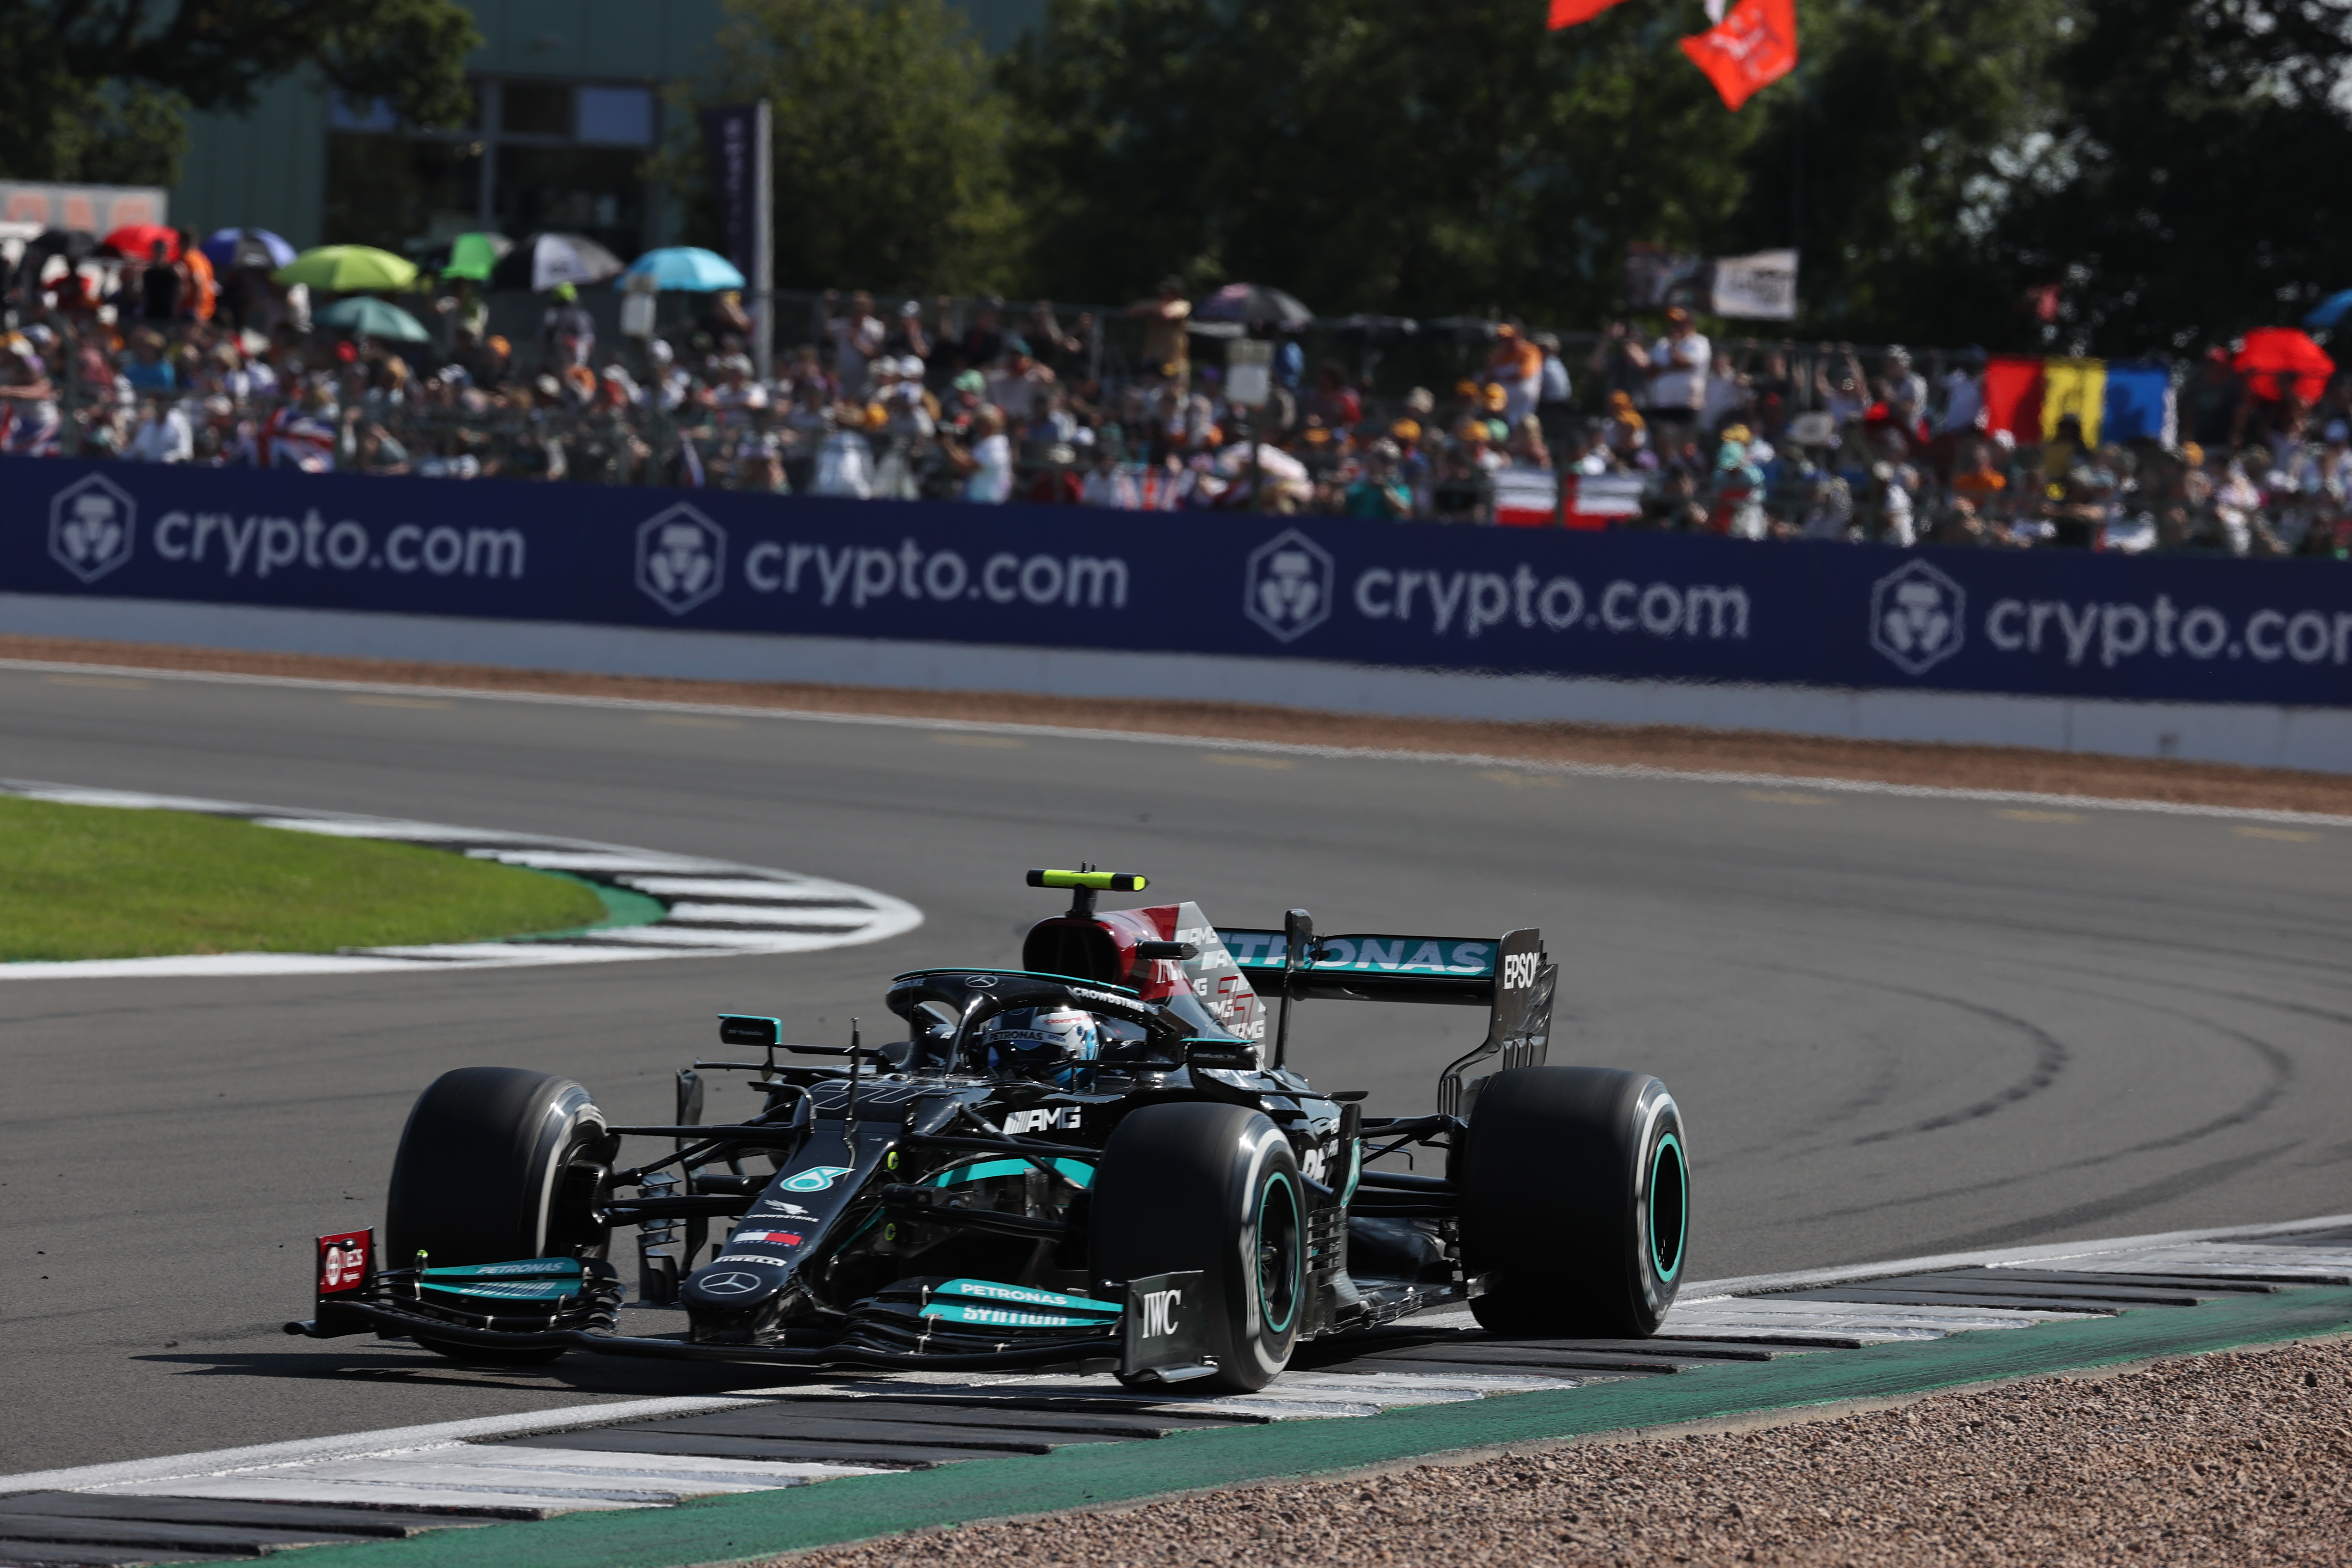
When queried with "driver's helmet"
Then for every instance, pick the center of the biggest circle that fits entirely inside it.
(1037, 1042)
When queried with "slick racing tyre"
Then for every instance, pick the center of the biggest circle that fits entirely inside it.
(497, 1165)
(1193, 1185)
(1575, 1202)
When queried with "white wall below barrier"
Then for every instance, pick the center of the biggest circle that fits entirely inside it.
(2316, 739)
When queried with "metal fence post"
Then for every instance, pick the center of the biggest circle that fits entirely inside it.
(763, 243)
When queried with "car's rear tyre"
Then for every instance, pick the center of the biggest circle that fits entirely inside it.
(1192, 1185)
(1575, 1202)
(497, 1165)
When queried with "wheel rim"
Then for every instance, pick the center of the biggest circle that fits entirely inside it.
(1668, 1207)
(1278, 1282)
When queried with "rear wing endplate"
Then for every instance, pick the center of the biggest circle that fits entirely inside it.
(1509, 975)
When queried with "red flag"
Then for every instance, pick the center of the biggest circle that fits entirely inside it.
(1568, 13)
(2012, 395)
(1753, 47)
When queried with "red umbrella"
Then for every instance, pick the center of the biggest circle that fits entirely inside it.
(137, 241)
(2278, 360)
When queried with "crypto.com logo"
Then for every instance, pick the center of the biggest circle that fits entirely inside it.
(1287, 586)
(1917, 617)
(91, 522)
(681, 559)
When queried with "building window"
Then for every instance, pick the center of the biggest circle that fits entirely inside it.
(618, 115)
(535, 109)
(595, 191)
(536, 154)
(401, 192)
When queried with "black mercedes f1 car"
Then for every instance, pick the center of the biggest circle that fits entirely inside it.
(1098, 1160)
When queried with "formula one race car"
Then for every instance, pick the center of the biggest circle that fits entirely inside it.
(1097, 1161)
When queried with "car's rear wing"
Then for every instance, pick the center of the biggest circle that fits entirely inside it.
(1509, 975)
(1364, 967)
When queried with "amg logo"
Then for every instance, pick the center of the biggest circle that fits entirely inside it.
(1212, 951)
(1038, 1120)
(1160, 1312)
(1519, 970)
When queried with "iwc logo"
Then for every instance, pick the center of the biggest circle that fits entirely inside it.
(1917, 617)
(91, 522)
(681, 559)
(1286, 589)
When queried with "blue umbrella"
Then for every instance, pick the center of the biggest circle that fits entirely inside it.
(231, 247)
(2330, 310)
(684, 267)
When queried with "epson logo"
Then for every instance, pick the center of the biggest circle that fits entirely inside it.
(1059, 1117)
(1519, 970)
(1158, 1309)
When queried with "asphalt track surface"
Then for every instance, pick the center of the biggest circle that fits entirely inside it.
(1896, 1026)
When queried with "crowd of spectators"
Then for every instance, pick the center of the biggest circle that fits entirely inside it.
(983, 403)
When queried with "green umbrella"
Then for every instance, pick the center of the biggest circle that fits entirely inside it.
(347, 269)
(473, 255)
(365, 316)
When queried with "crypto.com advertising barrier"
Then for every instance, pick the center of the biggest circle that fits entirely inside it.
(1627, 605)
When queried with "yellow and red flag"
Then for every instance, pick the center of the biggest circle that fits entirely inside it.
(1749, 49)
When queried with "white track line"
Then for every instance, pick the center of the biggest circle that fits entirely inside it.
(1213, 743)
(444, 1467)
(2068, 1254)
(746, 909)
(367, 1445)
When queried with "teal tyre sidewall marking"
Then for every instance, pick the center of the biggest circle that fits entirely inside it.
(1265, 1206)
(1680, 1189)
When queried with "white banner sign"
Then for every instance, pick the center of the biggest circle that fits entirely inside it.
(1759, 288)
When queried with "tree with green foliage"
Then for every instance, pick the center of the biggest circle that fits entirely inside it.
(1378, 156)
(2162, 163)
(1888, 156)
(97, 89)
(889, 149)
(2182, 196)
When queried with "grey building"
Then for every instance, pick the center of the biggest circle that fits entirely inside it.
(569, 104)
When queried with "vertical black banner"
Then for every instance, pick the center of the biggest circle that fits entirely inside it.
(727, 141)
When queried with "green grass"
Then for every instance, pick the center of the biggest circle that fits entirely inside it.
(85, 881)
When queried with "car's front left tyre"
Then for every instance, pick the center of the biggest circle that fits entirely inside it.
(1214, 1188)
(497, 1165)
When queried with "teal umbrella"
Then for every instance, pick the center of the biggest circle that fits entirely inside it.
(363, 315)
(687, 268)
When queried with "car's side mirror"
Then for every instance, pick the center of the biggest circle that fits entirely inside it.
(742, 1029)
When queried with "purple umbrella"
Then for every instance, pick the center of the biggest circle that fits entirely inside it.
(228, 248)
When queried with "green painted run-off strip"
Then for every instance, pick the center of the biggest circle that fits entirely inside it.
(622, 907)
(760, 1524)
